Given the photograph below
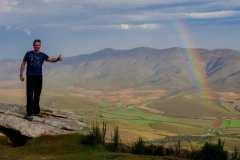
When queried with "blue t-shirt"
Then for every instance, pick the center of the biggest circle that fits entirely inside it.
(34, 62)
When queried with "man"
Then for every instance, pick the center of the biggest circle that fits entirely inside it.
(34, 60)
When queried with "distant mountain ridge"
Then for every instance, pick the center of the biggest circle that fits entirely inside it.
(138, 67)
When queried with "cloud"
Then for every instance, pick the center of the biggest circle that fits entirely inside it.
(81, 15)
(116, 2)
(136, 26)
(25, 30)
(7, 5)
(156, 16)
(79, 28)
(209, 15)
(224, 3)
(51, 1)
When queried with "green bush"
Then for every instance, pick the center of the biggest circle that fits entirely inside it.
(211, 152)
(154, 150)
(96, 135)
(140, 147)
(235, 155)
(116, 138)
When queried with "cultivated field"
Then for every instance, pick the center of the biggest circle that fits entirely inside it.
(151, 114)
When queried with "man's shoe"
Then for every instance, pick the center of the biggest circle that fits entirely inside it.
(28, 117)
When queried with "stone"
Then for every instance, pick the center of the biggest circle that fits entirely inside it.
(50, 121)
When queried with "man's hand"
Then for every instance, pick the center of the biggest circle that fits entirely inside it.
(55, 59)
(21, 77)
(22, 66)
(60, 58)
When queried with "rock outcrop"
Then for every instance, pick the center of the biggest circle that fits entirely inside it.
(49, 122)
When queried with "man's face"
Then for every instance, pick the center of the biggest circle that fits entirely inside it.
(37, 46)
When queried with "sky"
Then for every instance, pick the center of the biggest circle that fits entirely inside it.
(73, 27)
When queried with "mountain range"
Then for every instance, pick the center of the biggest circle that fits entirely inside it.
(141, 67)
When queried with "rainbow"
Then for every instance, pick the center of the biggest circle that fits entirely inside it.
(195, 61)
(196, 65)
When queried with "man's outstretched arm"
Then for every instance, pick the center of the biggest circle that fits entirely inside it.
(55, 59)
(22, 67)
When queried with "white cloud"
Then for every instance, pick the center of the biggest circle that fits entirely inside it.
(117, 2)
(27, 31)
(208, 15)
(7, 5)
(125, 26)
(150, 15)
(51, 1)
(147, 15)
(136, 26)
(78, 15)
(228, 3)
(19, 29)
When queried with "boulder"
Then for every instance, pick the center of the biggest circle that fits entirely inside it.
(50, 122)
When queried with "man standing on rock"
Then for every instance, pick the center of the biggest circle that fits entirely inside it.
(34, 60)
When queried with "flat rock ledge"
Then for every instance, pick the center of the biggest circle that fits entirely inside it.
(49, 122)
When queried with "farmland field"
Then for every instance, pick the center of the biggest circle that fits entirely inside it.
(135, 113)
(231, 123)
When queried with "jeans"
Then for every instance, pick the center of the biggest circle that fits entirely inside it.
(34, 88)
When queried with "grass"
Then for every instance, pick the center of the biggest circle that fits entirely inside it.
(64, 147)
(135, 116)
(191, 106)
(231, 123)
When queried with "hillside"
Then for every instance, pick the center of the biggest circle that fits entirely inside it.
(138, 68)
(64, 147)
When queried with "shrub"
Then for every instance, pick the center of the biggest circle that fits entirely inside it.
(154, 150)
(235, 155)
(138, 147)
(96, 135)
(116, 138)
(211, 152)
(178, 147)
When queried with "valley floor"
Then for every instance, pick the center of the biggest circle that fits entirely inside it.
(151, 114)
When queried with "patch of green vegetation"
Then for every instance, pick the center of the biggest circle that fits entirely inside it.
(212, 151)
(188, 105)
(64, 147)
(231, 123)
(179, 128)
(135, 116)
